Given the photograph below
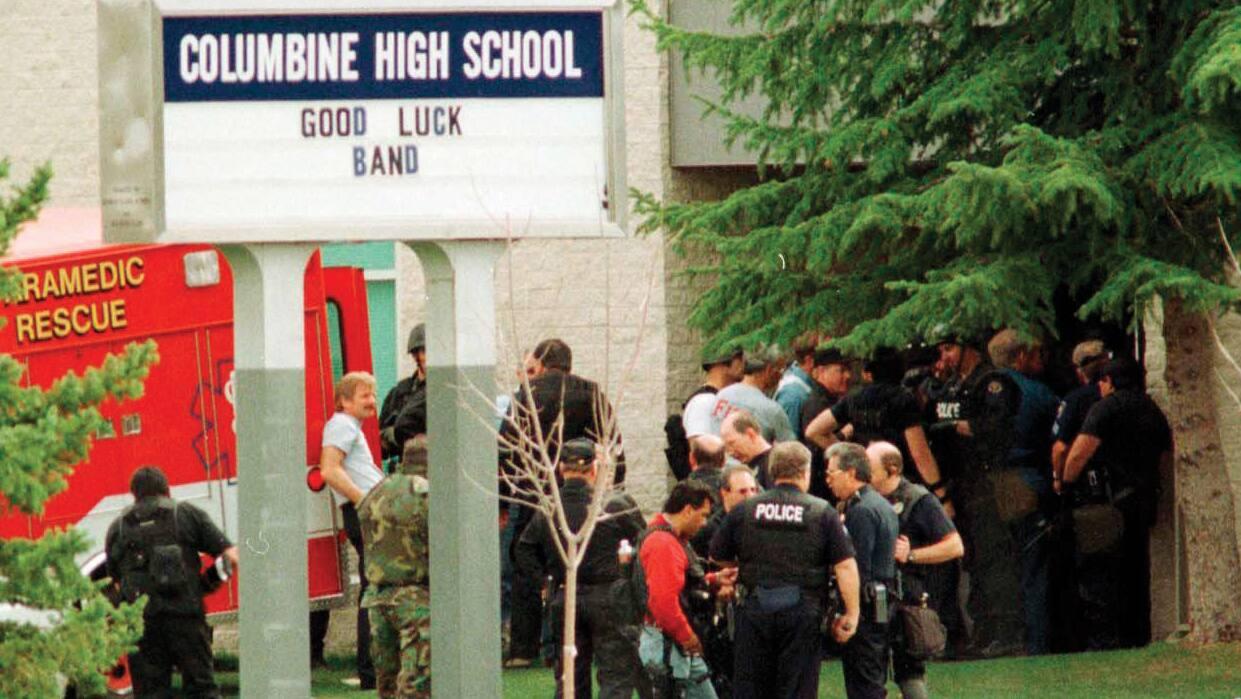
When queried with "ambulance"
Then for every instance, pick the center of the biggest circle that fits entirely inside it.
(82, 300)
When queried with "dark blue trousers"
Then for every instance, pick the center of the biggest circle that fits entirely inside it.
(777, 652)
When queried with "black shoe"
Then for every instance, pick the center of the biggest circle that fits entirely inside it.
(318, 663)
(367, 683)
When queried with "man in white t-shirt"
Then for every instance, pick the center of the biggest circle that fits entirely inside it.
(348, 466)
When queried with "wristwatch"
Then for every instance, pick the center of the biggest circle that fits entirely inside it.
(912, 558)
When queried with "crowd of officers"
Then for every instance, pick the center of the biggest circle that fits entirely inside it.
(810, 513)
(810, 517)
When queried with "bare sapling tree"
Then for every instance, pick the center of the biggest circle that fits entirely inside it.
(529, 439)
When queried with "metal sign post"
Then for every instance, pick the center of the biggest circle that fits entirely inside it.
(465, 548)
(270, 383)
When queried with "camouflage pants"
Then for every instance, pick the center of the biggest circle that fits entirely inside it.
(401, 644)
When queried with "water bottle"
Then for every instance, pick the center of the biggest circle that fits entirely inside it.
(624, 552)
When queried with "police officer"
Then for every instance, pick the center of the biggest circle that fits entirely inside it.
(612, 647)
(1112, 473)
(394, 516)
(976, 412)
(873, 527)
(787, 545)
(737, 485)
(566, 406)
(927, 541)
(885, 410)
(1089, 358)
(832, 374)
(152, 550)
(1023, 484)
(404, 411)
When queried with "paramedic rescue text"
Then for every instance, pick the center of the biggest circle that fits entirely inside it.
(98, 315)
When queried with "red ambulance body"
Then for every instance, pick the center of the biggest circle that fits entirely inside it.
(92, 299)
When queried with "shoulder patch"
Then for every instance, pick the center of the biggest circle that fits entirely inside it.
(995, 387)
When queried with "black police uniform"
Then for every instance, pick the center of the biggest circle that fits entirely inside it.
(1073, 410)
(785, 543)
(153, 549)
(881, 411)
(405, 411)
(989, 400)
(1123, 474)
(924, 522)
(820, 399)
(718, 647)
(873, 526)
(758, 464)
(556, 394)
(613, 648)
(1063, 600)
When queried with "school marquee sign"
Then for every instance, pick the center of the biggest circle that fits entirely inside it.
(293, 121)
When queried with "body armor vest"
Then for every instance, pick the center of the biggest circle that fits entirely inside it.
(782, 541)
(904, 498)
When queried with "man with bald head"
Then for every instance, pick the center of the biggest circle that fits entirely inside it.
(744, 441)
(1090, 358)
(706, 458)
(926, 542)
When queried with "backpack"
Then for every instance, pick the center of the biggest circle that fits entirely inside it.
(677, 450)
(152, 560)
(629, 593)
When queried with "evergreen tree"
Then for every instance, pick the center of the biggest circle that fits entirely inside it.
(43, 434)
(953, 163)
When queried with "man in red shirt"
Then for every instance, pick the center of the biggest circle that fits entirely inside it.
(677, 585)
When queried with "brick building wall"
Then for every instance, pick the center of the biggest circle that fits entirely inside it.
(49, 95)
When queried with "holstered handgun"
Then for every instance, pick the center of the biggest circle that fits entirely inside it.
(832, 607)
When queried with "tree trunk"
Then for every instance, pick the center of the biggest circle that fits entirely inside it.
(568, 648)
(1202, 495)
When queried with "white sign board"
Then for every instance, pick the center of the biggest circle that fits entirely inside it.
(293, 123)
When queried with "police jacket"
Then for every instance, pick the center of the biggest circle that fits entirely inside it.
(586, 414)
(989, 400)
(405, 412)
(818, 401)
(536, 550)
(783, 537)
(152, 550)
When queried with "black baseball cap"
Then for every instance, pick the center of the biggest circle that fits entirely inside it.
(579, 449)
(829, 356)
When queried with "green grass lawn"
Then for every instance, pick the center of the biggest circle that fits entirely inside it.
(1162, 670)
